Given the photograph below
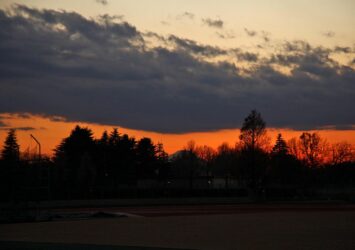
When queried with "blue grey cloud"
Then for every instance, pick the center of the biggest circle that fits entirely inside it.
(58, 63)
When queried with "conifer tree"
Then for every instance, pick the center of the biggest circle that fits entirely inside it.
(280, 147)
(11, 150)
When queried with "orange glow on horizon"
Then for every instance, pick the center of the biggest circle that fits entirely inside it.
(50, 133)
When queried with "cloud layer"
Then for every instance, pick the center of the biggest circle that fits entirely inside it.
(104, 70)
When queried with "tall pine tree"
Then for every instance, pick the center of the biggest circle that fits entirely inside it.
(280, 147)
(11, 151)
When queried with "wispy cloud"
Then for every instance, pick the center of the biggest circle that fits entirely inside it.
(165, 23)
(213, 23)
(250, 33)
(226, 35)
(328, 34)
(103, 2)
(264, 35)
(186, 15)
(18, 128)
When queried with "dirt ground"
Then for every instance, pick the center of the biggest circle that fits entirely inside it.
(275, 229)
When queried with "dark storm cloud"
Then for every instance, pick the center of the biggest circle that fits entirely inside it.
(60, 64)
(213, 23)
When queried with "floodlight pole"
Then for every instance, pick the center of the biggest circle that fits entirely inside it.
(39, 155)
(39, 146)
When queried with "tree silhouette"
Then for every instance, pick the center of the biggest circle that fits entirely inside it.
(104, 138)
(162, 163)
(75, 155)
(73, 147)
(114, 138)
(284, 169)
(342, 152)
(186, 165)
(146, 158)
(206, 154)
(9, 167)
(102, 158)
(252, 137)
(11, 151)
(113, 157)
(293, 147)
(280, 147)
(313, 148)
(253, 131)
(127, 159)
(110, 166)
(225, 163)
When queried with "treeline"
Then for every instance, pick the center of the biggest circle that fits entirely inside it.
(117, 165)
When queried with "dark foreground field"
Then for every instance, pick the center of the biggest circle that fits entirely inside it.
(307, 226)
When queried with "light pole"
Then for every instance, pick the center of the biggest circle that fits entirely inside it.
(39, 162)
(39, 146)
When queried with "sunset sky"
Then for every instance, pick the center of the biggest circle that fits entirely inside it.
(176, 70)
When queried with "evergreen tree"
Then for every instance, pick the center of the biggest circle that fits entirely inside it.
(102, 158)
(11, 151)
(114, 164)
(75, 154)
(163, 163)
(125, 156)
(284, 169)
(73, 147)
(114, 138)
(104, 138)
(9, 169)
(147, 160)
(280, 147)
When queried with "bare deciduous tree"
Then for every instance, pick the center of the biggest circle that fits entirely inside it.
(342, 152)
(313, 149)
